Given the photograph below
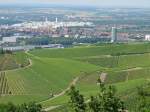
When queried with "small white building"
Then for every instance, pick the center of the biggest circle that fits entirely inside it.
(66, 36)
(147, 37)
(9, 39)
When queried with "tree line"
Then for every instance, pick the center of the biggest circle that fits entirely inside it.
(5, 51)
(26, 107)
(62, 40)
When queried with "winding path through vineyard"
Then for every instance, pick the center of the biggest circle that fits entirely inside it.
(60, 94)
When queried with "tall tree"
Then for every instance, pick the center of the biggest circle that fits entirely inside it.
(144, 102)
(106, 100)
(77, 101)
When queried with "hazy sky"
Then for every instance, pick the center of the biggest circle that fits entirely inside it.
(129, 3)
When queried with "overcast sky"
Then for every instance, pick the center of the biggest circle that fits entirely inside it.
(128, 3)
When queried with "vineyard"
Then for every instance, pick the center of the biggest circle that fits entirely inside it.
(16, 85)
(51, 71)
(4, 88)
(13, 61)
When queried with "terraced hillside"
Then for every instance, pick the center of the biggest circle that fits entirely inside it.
(10, 62)
(13, 61)
(46, 74)
(44, 77)
(4, 88)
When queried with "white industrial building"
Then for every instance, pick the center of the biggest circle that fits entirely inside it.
(147, 37)
(12, 39)
(46, 23)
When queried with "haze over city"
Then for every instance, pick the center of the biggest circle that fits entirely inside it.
(104, 3)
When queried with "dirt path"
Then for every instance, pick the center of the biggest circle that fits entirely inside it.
(51, 108)
(64, 91)
(129, 70)
(60, 94)
(29, 54)
(132, 69)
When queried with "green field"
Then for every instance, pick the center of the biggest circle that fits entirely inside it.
(37, 75)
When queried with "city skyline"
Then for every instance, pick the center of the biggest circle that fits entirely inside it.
(105, 3)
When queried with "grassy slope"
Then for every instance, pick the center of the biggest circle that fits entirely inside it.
(54, 69)
(47, 75)
(115, 76)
